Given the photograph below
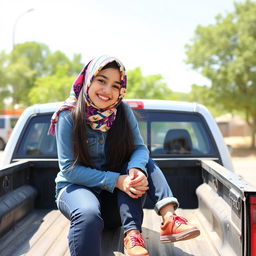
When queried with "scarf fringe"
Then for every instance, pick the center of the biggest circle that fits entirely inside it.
(51, 130)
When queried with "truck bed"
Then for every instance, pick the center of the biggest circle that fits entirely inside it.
(44, 232)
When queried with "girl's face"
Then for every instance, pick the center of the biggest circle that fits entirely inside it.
(105, 88)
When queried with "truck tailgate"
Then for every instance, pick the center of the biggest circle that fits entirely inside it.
(44, 232)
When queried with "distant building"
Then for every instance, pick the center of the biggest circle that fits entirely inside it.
(233, 125)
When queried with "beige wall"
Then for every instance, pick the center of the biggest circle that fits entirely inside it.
(229, 129)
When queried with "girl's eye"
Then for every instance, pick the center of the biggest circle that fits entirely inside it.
(101, 81)
(116, 86)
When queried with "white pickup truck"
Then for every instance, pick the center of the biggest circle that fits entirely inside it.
(186, 143)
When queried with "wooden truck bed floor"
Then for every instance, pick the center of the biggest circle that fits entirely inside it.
(44, 233)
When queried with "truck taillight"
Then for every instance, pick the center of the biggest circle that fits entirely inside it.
(135, 104)
(253, 224)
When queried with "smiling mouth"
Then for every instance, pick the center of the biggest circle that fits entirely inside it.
(103, 97)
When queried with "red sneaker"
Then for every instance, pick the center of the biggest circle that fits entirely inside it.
(177, 229)
(134, 244)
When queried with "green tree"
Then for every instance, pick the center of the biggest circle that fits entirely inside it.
(32, 64)
(204, 95)
(35, 54)
(225, 53)
(52, 88)
(3, 78)
(57, 59)
(146, 87)
(20, 78)
(180, 96)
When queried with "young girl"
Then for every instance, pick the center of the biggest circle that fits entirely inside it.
(105, 167)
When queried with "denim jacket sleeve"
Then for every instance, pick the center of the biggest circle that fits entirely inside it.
(78, 174)
(140, 156)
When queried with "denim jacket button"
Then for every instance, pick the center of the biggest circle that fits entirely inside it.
(101, 141)
(105, 187)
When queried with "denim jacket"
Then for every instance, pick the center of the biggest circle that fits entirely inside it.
(97, 179)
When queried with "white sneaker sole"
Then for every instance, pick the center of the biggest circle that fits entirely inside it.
(180, 237)
(126, 254)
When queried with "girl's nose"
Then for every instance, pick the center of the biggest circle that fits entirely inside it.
(107, 89)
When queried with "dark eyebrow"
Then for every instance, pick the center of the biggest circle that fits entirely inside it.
(107, 79)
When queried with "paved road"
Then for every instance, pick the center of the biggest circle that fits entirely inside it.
(245, 167)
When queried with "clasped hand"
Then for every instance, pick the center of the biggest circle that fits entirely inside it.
(135, 184)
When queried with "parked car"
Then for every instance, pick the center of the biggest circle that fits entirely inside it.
(185, 142)
(7, 123)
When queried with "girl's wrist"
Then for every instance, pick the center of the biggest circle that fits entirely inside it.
(119, 181)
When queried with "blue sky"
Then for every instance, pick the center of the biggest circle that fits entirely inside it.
(146, 33)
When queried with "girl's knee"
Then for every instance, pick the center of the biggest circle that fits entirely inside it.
(87, 217)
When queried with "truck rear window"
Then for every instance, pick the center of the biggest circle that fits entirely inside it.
(166, 134)
(35, 143)
(172, 134)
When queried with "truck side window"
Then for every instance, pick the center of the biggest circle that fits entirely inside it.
(35, 142)
(182, 134)
(143, 130)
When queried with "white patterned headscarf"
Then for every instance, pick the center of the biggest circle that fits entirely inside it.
(98, 119)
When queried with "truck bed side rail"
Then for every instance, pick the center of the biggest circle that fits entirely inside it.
(224, 204)
(16, 195)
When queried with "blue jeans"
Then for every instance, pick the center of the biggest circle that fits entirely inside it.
(89, 212)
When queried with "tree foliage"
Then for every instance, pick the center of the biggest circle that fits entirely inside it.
(3, 78)
(146, 87)
(204, 95)
(225, 53)
(34, 54)
(52, 88)
(32, 73)
(20, 78)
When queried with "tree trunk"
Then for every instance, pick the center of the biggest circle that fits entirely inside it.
(253, 141)
(253, 127)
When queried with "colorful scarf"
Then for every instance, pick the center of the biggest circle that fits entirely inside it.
(98, 119)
